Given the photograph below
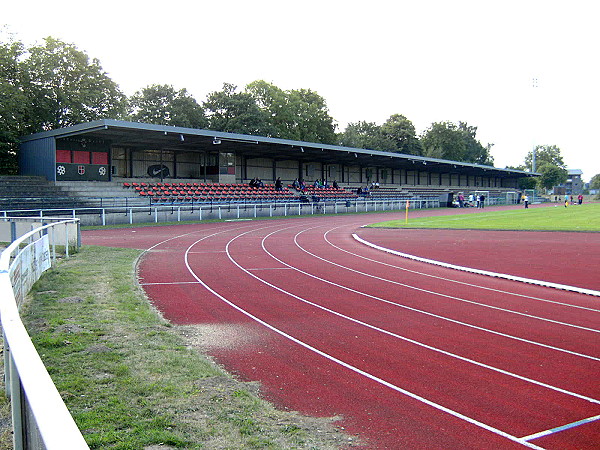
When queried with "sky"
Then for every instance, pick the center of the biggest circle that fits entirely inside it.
(430, 60)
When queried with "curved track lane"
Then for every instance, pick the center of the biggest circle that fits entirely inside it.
(407, 354)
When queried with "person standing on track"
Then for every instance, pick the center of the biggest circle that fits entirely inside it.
(526, 201)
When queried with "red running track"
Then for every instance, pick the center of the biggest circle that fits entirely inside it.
(407, 354)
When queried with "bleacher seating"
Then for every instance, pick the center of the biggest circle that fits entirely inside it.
(191, 192)
(328, 193)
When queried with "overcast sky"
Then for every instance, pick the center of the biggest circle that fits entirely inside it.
(430, 60)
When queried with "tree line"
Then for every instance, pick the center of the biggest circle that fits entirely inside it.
(54, 84)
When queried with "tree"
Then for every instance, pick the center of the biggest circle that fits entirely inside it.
(366, 135)
(300, 115)
(551, 175)
(550, 164)
(595, 182)
(443, 140)
(446, 140)
(475, 152)
(313, 122)
(13, 105)
(236, 112)
(163, 105)
(545, 154)
(65, 88)
(49, 86)
(401, 132)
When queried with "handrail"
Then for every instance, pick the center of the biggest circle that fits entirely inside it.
(32, 391)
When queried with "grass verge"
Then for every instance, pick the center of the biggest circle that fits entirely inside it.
(574, 218)
(130, 379)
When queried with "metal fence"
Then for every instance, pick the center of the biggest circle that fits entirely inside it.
(39, 416)
(223, 211)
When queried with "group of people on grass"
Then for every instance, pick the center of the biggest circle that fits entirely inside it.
(568, 200)
(572, 202)
(474, 200)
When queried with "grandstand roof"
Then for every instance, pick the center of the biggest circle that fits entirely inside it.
(149, 136)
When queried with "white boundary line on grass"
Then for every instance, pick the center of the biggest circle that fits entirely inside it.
(479, 271)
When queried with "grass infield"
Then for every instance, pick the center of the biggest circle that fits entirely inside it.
(573, 218)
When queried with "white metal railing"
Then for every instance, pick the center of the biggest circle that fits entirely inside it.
(178, 212)
(39, 416)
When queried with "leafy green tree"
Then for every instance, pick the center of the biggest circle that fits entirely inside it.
(551, 175)
(65, 88)
(49, 86)
(447, 140)
(163, 105)
(550, 164)
(366, 135)
(13, 105)
(444, 140)
(595, 182)
(313, 122)
(401, 132)
(475, 152)
(295, 114)
(236, 112)
(545, 154)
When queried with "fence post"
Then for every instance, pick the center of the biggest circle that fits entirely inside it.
(16, 404)
(66, 240)
(6, 366)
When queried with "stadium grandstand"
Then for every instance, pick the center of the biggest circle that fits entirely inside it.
(147, 164)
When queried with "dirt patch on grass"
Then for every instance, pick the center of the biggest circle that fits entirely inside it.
(311, 432)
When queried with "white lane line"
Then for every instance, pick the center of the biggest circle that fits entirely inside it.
(359, 371)
(563, 287)
(450, 280)
(561, 428)
(458, 322)
(397, 336)
(168, 283)
(531, 316)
